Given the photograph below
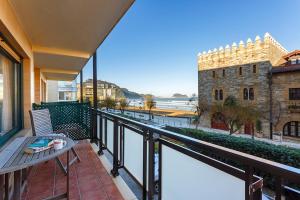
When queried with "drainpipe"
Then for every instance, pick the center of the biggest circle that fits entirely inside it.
(271, 104)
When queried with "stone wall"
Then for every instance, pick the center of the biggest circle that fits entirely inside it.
(233, 84)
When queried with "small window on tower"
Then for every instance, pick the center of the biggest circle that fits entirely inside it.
(251, 93)
(214, 74)
(254, 69)
(223, 72)
(240, 71)
(245, 93)
(221, 95)
(216, 95)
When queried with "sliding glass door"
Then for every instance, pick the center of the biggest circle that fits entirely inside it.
(10, 95)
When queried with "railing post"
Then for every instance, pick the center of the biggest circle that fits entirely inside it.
(94, 125)
(248, 182)
(151, 166)
(115, 171)
(145, 139)
(278, 188)
(100, 141)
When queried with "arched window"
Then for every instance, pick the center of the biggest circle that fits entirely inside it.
(220, 94)
(223, 72)
(214, 74)
(216, 95)
(251, 93)
(245, 93)
(292, 129)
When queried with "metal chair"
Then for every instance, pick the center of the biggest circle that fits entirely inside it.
(42, 126)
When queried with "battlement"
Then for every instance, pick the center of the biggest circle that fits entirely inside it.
(267, 49)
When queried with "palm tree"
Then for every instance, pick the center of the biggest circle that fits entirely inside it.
(123, 104)
(149, 104)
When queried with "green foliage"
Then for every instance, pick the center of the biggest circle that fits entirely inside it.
(258, 125)
(149, 104)
(108, 103)
(234, 114)
(123, 104)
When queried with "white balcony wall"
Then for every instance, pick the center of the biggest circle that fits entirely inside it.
(133, 154)
(184, 177)
(110, 135)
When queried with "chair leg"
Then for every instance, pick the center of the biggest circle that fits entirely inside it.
(76, 154)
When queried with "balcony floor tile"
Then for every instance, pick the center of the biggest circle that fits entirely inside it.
(88, 179)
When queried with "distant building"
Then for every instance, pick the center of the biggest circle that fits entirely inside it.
(259, 73)
(285, 88)
(104, 90)
(61, 91)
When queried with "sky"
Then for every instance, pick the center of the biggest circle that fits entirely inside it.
(153, 49)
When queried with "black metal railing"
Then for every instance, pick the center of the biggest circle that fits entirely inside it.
(154, 138)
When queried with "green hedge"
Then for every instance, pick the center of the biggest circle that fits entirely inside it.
(277, 153)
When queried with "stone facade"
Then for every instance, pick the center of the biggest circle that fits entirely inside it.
(234, 69)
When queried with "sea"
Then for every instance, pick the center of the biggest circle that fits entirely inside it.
(187, 104)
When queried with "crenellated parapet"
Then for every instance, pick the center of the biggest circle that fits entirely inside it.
(266, 49)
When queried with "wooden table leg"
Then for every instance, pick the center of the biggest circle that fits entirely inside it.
(17, 185)
(6, 186)
(1, 186)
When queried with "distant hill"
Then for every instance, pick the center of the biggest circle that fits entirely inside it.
(130, 95)
(177, 95)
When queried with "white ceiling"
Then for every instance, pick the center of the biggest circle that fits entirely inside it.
(65, 33)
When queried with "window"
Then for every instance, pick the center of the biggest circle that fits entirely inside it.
(292, 129)
(254, 69)
(293, 61)
(240, 71)
(61, 96)
(223, 72)
(10, 99)
(245, 93)
(221, 95)
(294, 93)
(298, 60)
(214, 74)
(251, 94)
(216, 95)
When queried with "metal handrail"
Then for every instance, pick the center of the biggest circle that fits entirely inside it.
(280, 171)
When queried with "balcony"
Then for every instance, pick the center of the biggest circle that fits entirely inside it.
(159, 164)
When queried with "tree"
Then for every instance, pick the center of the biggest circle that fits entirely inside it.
(109, 103)
(233, 114)
(123, 104)
(200, 108)
(149, 104)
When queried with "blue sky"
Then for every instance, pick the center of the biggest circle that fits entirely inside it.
(154, 47)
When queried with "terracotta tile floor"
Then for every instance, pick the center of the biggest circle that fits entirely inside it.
(88, 179)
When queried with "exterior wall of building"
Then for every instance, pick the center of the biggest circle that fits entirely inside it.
(52, 91)
(13, 32)
(220, 70)
(282, 111)
(233, 84)
(61, 91)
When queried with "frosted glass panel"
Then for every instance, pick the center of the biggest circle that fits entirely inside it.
(184, 177)
(133, 153)
(110, 135)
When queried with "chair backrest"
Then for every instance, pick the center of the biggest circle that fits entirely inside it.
(41, 122)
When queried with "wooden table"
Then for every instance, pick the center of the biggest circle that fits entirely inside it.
(14, 160)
